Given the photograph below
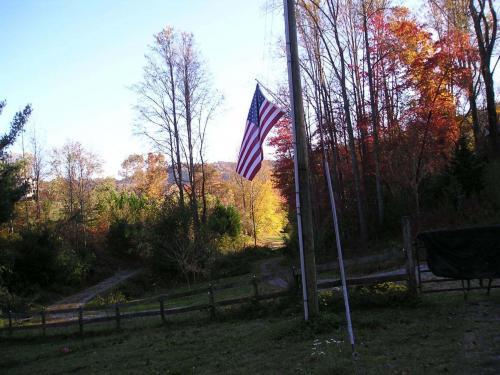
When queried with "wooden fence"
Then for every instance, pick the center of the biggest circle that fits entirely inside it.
(82, 316)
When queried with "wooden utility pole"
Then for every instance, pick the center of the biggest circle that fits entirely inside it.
(301, 163)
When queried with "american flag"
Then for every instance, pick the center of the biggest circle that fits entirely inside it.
(261, 118)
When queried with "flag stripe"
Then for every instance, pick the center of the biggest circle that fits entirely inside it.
(252, 141)
(253, 134)
(254, 162)
(268, 107)
(251, 157)
(262, 116)
(254, 172)
(245, 136)
(269, 122)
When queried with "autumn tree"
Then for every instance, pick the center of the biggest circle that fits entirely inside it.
(37, 171)
(450, 20)
(175, 105)
(386, 100)
(155, 178)
(75, 168)
(427, 127)
(260, 205)
(132, 170)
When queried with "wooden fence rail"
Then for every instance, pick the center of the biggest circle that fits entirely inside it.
(81, 320)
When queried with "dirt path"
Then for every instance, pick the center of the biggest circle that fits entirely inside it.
(81, 298)
(276, 275)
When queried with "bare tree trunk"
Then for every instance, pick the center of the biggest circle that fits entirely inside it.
(475, 118)
(350, 132)
(180, 184)
(486, 42)
(37, 172)
(203, 191)
(252, 212)
(374, 118)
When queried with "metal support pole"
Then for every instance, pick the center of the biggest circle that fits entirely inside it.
(339, 253)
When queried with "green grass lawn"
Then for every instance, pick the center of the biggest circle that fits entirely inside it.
(243, 288)
(394, 335)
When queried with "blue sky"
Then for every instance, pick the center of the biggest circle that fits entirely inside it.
(75, 61)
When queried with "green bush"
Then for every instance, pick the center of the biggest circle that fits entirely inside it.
(461, 179)
(36, 261)
(178, 248)
(224, 221)
(127, 239)
(112, 298)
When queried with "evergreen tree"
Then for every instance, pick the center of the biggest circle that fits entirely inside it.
(12, 188)
(466, 168)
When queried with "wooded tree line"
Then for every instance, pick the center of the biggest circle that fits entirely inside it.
(398, 104)
(63, 225)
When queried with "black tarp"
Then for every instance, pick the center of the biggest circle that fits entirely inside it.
(469, 253)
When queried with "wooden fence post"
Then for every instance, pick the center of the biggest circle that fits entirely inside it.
(211, 301)
(80, 319)
(410, 255)
(43, 321)
(117, 313)
(296, 280)
(10, 321)
(162, 310)
(255, 288)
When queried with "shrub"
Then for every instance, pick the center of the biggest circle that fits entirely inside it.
(224, 221)
(127, 239)
(36, 260)
(461, 179)
(177, 248)
(112, 298)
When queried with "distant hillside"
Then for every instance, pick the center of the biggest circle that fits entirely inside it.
(225, 168)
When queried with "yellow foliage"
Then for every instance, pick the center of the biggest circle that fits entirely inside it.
(260, 205)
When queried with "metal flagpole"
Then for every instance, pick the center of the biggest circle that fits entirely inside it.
(337, 238)
(339, 253)
(296, 168)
